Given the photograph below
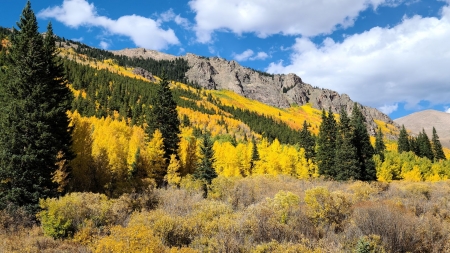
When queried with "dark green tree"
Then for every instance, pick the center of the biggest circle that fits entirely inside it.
(255, 154)
(364, 149)
(164, 116)
(34, 132)
(437, 147)
(346, 160)
(380, 147)
(425, 149)
(403, 142)
(326, 145)
(205, 169)
(307, 141)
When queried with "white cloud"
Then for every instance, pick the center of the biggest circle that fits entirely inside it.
(388, 109)
(447, 110)
(383, 66)
(244, 55)
(264, 18)
(144, 32)
(260, 56)
(104, 45)
(250, 55)
(171, 16)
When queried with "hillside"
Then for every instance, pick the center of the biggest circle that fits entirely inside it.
(426, 119)
(281, 91)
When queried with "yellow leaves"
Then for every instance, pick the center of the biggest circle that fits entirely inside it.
(173, 175)
(134, 238)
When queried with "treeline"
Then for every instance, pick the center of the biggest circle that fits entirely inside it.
(173, 69)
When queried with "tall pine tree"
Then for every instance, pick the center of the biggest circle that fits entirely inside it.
(164, 116)
(364, 149)
(205, 169)
(380, 147)
(437, 147)
(326, 145)
(346, 160)
(403, 142)
(34, 132)
(307, 141)
(425, 149)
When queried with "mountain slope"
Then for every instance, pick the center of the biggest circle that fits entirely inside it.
(426, 119)
(281, 91)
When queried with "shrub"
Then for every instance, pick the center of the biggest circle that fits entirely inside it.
(327, 209)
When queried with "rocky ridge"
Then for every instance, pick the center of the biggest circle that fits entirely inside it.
(277, 90)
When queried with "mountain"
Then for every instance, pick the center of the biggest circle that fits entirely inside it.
(281, 91)
(426, 119)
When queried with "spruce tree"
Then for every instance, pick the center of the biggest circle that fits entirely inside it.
(346, 160)
(205, 169)
(437, 147)
(326, 145)
(164, 116)
(425, 146)
(255, 154)
(307, 142)
(364, 149)
(34, 133)
(403, 142)
(380, 147)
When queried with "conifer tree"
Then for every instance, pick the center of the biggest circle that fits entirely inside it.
(346, 160)
(437, 147)
(164, 116)
(403, 142)
(255, 154)
(364, 149)
(307, 141)
(380, 147)
(326, 145)
(205, 169)
(34, 133)
(425, 146)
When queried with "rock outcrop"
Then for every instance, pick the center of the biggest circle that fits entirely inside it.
(276, 90)
(144, 73)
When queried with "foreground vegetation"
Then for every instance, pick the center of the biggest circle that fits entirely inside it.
(253, 214)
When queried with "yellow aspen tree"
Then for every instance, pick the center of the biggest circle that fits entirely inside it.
(413, 175)
(173, 175)
(153, 157)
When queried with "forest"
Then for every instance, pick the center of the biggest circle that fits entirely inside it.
(94, 158)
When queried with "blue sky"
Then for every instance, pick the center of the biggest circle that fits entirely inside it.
(390, 54)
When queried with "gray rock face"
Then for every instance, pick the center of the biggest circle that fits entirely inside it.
(144, 73)
(276, 90)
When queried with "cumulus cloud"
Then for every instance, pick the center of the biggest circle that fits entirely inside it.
(171, 16)
(388, 109)
(104, 45)
(264, 18)
(250, 55)
(383, 66)
(144, 32)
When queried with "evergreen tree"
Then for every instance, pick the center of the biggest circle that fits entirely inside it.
(346, 160)
(425, 146)
(205, 169)
(437, 147)
(255, 154)
(380, 147)
(326, 145)
(34, 132)
(164, 116)
(364, 149)
(307, 142)
(403, 142)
